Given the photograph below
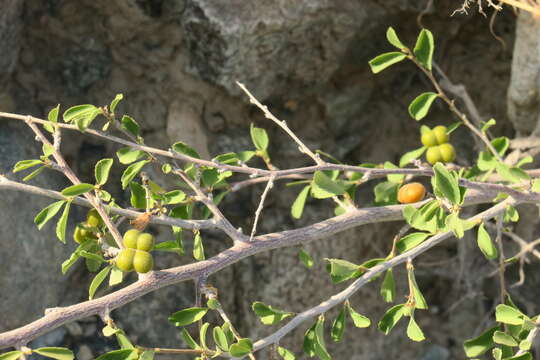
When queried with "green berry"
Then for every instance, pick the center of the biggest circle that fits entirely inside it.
(143, 262)
(130, 238)
(125, 260)
(433, 155)
(440, 134)
(429, 139)
(93, 219)
(81, 235)
(145, 242)
(448, 153)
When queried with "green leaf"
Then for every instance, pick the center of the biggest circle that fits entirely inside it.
(102, 169)
(419, 300)
(183, 148)
(259, 138)
(411, 241)
(220, 339)
(202, 335)
(419, 107)
(285, 354)
(359, 320)
(511, 174)
(454, 223)
(198, 248)
(130, 125)
(228, 158)
(511, 214)
(485, 244)
(127, 155)
(188, 316)
(526, 356)
(81, 115)
(69, 262)
(504, 339)
(245, 156)
(115, 102)
(33, 174)
(59, 353)
(138, 195)
(479, 345)
(526, 160)
(62, 223)
(188, 339)
(323, 187)
(306, 259)
(76, 190)
(98, 279)
(241, 348)
(11, 355)
(48, 150)
(174, 197)
(525, 345)
(486, 125)
(536, 186)
(320, 347)
(411, 155)
(414, 332)
(393, 39)
(117, 276)
(47, 213)
(124, 354)
(131, 171)
(391, 317)
(395, 178)
(171, 246)
(508, 315)
(497, 354)
(381, 62)
(423, 50)
(386, 193)
(268, 315)
(91, 256)
(298, 206)
(26, 164)
(342, 270)
(338, 326)
(446, 184)
(309, 341)
(388, 287)
(53, 114)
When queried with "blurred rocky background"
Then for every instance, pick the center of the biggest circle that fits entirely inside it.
(176, 62)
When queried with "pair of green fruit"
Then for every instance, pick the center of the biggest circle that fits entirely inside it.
(438, 147)
(136, 254)
(83, 231)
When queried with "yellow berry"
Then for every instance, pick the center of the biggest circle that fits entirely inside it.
(93, 219)
(440, 134)
(143, 262)
(145, 242)
(428, 139)
(448, 153)
(125, 260)
(130, 238)
(411, 193)
(433, 155)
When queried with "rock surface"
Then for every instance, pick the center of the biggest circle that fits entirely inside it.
(176, 62)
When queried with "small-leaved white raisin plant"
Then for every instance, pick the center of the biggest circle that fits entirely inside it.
(194, 207)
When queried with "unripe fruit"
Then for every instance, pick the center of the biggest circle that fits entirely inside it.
(142, 262)
(124, 260)
(448, 153)
(440, 134)
(130, 238)
(411, 193)
(93, 219)
(433, 155)
(81, 235)
(145, 242)
(429, 139)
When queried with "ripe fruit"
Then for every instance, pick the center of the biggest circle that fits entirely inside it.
(124, 260)
(142, 262)
(93, 219)
(411, 193)
(448, 153)
(440, 134)
(429, 139)
(145, 242)
(433, 155)
(130, 238)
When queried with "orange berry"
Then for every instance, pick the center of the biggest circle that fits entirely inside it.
(411, 193)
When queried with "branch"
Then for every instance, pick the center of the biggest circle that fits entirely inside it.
(240, 250)
(367, 277)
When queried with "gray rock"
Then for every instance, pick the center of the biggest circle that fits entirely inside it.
(10, 28)
(436, 352)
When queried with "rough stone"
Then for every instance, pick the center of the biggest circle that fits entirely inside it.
(10, 28)
(185, 123)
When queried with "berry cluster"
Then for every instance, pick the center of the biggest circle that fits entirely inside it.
(438, 147)
(88, 230)
(136, 254)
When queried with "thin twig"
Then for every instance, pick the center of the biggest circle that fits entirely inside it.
(269, 185)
